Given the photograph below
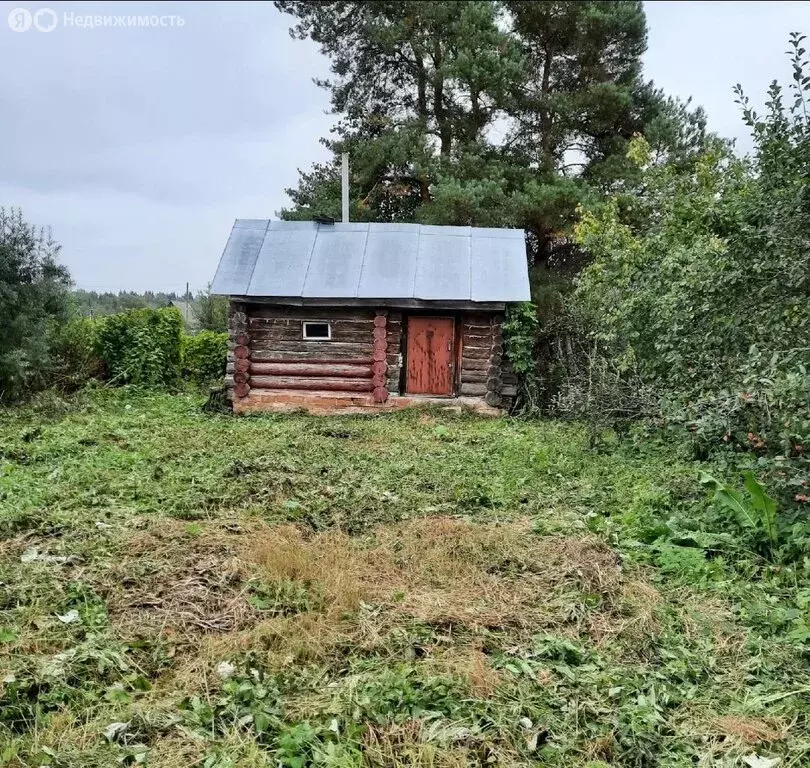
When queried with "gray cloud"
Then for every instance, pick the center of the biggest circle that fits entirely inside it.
(141, 145)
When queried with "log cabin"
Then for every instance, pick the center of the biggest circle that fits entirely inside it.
(360, 317)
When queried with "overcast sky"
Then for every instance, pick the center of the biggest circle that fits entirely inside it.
(140, 145)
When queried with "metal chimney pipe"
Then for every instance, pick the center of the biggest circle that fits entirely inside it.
(344, 188)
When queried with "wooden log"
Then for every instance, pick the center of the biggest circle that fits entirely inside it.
(473, 389)
(379, 355)
(481, 329)
(378, 367)
(325, 314)
(241, 390)
(241, 377)
(315, 349)
(380, 394)
(281, 333)
(230, 367)
(476, 340)
(242, 340)
(494, 384)
(378, 380)
(380, 334)
(332, 369)
(242, 364)
(380, 344)
(242, 352)
(381, 312)
(348, 354)
(477, 353)
(238, 318)
(257, 321)
(509, 390)
(311, 383)
(474, 364)
(473, 376)
(493, 399)
(380, 321)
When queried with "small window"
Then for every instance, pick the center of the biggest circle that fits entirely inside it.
(317, 331)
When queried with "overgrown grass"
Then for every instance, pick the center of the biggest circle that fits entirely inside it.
(420, 589)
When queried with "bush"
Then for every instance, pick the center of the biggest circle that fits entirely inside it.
(211, 312)
(204, 356)
(74, 351)
(704, 299)
(142, 346)
(33, 292)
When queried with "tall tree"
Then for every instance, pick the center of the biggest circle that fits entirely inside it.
(480, 112)
(415, 83)
(33, 292)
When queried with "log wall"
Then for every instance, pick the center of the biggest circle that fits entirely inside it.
(481, 373)
(267, 351)
(364, 357)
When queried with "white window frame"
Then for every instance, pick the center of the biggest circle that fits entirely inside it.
(304, 335)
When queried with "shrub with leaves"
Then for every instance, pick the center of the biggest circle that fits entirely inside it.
(211, 312)
(142, 346)
(75, 355)
(204, 356)
(706, 294)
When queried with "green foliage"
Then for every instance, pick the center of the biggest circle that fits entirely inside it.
(204, 356)
(142, 346)
(400, 694)
(101, 304)
(74, 349)
(520, 336)
(700, 287)
(657, 620)
(756, 514)
(281, 598)
(251, 701)
(33, 295)
(211, 312)
(424, 91)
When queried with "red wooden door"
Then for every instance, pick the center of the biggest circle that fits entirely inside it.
(430, 356)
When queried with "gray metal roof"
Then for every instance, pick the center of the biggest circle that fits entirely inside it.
(373, 261)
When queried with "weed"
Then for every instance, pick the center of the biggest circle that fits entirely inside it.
(422, 589)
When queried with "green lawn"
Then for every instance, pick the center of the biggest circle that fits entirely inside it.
(417, 589)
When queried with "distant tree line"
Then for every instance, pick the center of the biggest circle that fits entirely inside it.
(95, 303)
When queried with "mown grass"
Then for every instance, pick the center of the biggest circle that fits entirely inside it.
(422, 589)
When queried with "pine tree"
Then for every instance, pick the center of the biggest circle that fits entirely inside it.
(482, 113)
